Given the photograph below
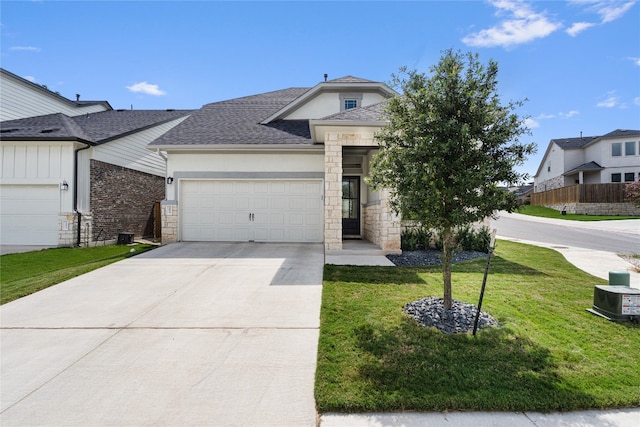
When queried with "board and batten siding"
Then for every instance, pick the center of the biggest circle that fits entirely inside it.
(131, 151)
(20, 100)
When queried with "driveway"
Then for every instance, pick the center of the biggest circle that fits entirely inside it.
(216, 334)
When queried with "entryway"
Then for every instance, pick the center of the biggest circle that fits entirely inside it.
(350, 206)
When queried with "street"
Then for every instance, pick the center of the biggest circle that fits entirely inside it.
(619, 236)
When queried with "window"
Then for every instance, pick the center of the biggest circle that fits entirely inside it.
(616, 177)
(629, 176)
(350, 103)
(630, 148)
(616, 149)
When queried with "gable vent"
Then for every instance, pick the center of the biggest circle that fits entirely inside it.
(49, 130)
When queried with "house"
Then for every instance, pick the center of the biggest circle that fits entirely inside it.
(20, 98)
(281, 166)
(614, 157)
(67, 180)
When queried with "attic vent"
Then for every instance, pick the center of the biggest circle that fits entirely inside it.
(7, 130)
(170, 109)
(49, 130)
(121, 109)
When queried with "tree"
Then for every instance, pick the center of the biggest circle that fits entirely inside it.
(447, 145)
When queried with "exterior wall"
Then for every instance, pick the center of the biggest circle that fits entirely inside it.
(20, 99)
(131, 151)
(626, 209)
(380, 225)
(551, 170)
(122, 200)
(239, 164)
(328, 103)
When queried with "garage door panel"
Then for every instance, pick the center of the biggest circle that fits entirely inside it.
(279, 210)
(29, 214)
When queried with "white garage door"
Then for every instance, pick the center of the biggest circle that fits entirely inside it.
(29, 214)
(261, 211)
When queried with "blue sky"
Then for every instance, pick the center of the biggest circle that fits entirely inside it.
(577, 62)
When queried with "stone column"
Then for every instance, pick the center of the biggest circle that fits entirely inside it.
(332, 192)
(169, 214)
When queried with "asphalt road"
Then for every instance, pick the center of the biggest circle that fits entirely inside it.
(561, 233)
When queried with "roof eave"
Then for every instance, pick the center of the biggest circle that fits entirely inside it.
(346, 123)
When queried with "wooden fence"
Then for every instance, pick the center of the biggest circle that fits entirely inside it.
(580, 193)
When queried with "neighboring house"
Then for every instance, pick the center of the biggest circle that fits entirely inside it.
(20, 98)
(614, 157)
(67, 180)
(282, 166)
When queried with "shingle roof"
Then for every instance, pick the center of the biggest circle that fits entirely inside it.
(375, 112)
(569, 143)
(95, 127)
(585, 167)
(237, 121)
(350, 79)
(621, 133)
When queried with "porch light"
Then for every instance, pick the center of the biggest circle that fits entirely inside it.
(64, 186)
(169, 180)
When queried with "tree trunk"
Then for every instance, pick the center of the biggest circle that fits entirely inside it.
(447, 255)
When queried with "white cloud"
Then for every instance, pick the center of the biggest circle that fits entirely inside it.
(612, 10)
(146, 88)
(25, 48)
(522, 25)
(29, 78)
(569, 114)
(579, 27)
(636, 60)
(531, 123)
(609, 102)
(545, 116)
(636, 100)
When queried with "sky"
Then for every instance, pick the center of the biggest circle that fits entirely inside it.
(576, 63)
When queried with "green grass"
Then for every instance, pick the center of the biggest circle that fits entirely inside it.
(549, 355)
(25, 273)
(552, 213)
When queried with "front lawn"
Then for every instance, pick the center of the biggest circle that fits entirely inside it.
(545, 212)
(549, 355)
(25, 273)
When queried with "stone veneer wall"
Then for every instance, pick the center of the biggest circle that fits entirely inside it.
(169, 213)
(550, 184)
(122, 200)
(68, 229)
(380, 223)
(626, 209)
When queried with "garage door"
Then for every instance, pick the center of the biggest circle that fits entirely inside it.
(261, 211)
(29, 214)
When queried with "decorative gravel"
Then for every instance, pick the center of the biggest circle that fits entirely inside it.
(430, 312)
(430, 257)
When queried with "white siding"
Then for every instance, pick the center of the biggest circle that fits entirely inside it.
(38, 163)
(328, 103)
(131, 151)
(552, 164)
(19, 100)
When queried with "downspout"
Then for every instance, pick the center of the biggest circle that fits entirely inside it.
(75, 190)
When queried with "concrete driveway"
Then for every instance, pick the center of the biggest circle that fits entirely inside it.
(215, 334)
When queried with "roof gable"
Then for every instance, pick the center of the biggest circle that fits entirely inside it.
(347, 84)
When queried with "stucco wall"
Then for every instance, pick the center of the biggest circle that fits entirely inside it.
(122, 200)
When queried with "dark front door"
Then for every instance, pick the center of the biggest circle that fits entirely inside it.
(351, 206)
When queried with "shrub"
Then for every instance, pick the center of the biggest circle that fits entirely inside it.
(470, 239)
(632, 193)
(415, 238)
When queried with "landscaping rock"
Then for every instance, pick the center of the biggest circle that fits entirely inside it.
(430, 257)
(460, 318)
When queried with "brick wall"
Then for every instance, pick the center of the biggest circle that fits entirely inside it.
(122, 200)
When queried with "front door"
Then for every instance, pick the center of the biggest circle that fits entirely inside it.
(351, 206)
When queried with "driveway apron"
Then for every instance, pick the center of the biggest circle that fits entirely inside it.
(211, 334)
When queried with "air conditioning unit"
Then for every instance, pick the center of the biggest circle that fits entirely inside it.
(617, 303)
(125, 238)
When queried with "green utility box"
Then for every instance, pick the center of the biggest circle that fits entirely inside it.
(619, 278)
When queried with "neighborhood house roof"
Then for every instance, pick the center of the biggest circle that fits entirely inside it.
(94, 128)
(585, 167)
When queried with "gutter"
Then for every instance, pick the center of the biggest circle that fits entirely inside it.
(75, 189)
